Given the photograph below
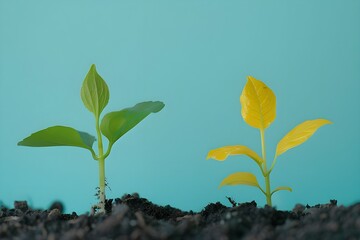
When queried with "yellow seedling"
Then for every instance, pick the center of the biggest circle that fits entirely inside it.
(258, 109)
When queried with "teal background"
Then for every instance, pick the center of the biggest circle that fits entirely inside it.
(194, 56)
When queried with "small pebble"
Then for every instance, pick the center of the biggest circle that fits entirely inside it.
(57, 205)
(120, 209)
(21, 205)
(135, 195)
(54, 214)
(299, 208)
(133, 222)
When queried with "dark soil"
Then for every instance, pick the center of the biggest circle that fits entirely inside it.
(132, 217)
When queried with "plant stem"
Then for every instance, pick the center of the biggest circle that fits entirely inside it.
(101, 161)
(267, 174)
(102, 184)
(268, 190)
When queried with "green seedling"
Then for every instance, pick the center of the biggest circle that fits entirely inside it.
(259, 111)
(113, 125)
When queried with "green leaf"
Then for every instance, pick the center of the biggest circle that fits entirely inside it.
(94, 92)
(59, 136)
(222, 153)
(116, 124)
(240, 178)
(281, 188)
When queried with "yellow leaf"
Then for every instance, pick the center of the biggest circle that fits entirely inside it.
(258, 104)
(240, 178)
(299, 134)
(281, 188)
(222, 153)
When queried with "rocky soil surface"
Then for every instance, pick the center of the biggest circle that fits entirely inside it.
(133, 217)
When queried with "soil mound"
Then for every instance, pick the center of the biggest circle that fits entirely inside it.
(133, 217)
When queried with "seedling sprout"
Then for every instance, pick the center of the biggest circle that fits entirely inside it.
(113, 125)
(259, 111)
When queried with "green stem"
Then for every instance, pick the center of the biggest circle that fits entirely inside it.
(101, 160)
(108, 151)
(267, 174)
(102, 184)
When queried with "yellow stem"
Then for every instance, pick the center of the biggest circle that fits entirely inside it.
(267, 174)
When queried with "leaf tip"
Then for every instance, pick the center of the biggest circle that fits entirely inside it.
(253, 80)
(328, 121)
(208, 156)
(161, 105)
(213, 154)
